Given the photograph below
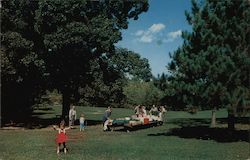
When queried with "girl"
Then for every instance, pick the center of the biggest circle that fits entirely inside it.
(61, 136)
(82, 119)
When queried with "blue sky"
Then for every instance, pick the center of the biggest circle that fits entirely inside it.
(157, 32)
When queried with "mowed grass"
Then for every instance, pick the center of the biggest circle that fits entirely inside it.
(156, 143)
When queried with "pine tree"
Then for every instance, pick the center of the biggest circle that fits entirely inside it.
(211, 69)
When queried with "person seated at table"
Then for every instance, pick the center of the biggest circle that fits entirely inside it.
(142, 111)
(154, 110)
(136, 109)
(162, 110)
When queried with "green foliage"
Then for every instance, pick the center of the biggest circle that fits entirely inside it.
(60, 43)
(111, 76)
(211, 69)
(21, 64)
(161, 82)
(143, 93)
(131, 65)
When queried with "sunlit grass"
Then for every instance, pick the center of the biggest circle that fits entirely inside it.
(144, 144)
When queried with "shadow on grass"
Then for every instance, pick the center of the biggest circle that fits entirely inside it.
(38, 123)
(199, 129)
(122, 128)
(222, 135)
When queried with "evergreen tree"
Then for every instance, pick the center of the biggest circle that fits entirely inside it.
(211, 69)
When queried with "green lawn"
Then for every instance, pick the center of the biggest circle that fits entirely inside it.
(182, 137)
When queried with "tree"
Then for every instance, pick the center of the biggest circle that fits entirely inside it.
(67, 38)
(143, 93)
(113, 75)
(211, 68)
(161, 82)
(21, 66)
(79, 32)
(131, 65)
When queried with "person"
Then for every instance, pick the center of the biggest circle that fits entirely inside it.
(72, 115)
(82, 119)
(162, 110)
(105, 118)
(137, 110)
(61, 136)
(153, 110)
(144, 112)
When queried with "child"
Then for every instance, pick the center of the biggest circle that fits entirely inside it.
(82, 119)
(61, 136)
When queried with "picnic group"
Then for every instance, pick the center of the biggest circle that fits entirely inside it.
(140, 117)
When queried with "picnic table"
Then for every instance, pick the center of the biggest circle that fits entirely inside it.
(129, 124)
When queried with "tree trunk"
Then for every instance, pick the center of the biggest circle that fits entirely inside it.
(213, 119)
(66, 104)
(231, 120)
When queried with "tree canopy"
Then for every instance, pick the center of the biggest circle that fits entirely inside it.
(60, 44)
(211, 69)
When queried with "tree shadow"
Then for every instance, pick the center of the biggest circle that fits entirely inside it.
(222, 135)
(123, 128)
(93, 122)
(199, 129)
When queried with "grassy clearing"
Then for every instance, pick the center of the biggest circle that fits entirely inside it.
(181, 137)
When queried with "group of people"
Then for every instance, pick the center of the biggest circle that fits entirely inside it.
(72, 118)
(140, 111)
(61, 136)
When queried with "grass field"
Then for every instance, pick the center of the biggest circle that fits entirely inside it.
(182, 137)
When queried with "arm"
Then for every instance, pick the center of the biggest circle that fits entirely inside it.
(55, 128)
(67, 128)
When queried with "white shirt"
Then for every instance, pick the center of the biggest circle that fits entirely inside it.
(81, 119)
(72, 112)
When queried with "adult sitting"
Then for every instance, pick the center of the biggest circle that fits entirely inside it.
(142, 111)
(162, 110)
(153, 110)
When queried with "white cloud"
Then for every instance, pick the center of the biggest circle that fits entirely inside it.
(156, 27)
(147, 36)
(171, 36)
(174, 34)
(139, 33)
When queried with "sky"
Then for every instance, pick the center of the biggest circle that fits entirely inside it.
(157, 32)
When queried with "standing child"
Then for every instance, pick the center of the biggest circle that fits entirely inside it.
(61, 137)
(82, 120)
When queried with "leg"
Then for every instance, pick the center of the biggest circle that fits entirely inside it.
(58, 148)
(64, 147)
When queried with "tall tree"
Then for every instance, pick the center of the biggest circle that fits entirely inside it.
(142, 93)
(212, 67)
(78, 32)
(65, 38)
(113, 75)
(21, 65)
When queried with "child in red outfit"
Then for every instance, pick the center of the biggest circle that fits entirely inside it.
(61, 137)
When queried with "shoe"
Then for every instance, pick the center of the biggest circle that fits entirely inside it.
(58, 151)
(65, 150)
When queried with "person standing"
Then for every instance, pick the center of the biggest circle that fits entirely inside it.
(72, 115)
(82, 120)
(61, 137)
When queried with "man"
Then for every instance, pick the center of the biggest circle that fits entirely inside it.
(72, 115)
(153, 110)
(105, 118)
